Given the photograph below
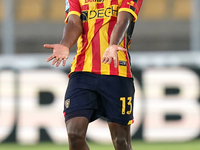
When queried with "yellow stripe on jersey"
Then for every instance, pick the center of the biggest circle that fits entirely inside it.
(120, 2)
(105, 68)
(88, 59)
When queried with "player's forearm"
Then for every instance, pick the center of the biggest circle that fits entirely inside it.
(120, 28)
(118, 33)
(71, 33)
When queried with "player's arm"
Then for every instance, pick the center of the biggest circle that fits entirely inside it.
(71, 33)
(123, 21)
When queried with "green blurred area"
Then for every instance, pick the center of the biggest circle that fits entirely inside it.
(137, 145)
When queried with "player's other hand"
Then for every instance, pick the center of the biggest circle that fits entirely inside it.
(60, 54)
(110, 54)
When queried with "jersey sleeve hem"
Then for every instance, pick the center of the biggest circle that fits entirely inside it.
(130, 11)
(70, 13)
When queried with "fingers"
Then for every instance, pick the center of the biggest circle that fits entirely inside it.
(60, 54)
(115, 62)
(105, 59)
(122, 49)
(50, 58)
(64, 62)
(110, 55)
(49, 46)
(109, 60)
(57, 61)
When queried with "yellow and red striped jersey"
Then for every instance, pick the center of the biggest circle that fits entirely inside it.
(98, 20)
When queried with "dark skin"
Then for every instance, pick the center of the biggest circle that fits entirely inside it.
(77, 127)
(73, 29)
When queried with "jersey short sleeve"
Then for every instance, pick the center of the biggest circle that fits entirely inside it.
(72, 7)
(131, 6)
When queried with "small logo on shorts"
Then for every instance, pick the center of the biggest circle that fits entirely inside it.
(122, 63)
(67, 103)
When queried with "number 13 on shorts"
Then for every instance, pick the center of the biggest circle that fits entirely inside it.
(127, 101)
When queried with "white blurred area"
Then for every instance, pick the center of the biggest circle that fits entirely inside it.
(165, 54)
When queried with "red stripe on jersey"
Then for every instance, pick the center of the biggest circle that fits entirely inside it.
(79, 62)
(81, 57)
(100, 5)
(96, 51)
(113, 70)
(66, 15)
(85, 7)
(139, 4)
(135, 5)
(114, 2)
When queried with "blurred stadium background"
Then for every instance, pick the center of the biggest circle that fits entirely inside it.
(165, 60)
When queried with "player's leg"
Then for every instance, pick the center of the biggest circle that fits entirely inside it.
(118, 98)
(76, 129)
(120, 136)
(79, 108)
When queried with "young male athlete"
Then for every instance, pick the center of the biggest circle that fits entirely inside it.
(101, 82)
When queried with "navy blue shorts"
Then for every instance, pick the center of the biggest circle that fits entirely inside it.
(92, 96)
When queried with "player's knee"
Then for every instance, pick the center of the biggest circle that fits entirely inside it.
(74, 136)
(120, 142)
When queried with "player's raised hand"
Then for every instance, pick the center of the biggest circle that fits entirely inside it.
(60, 54)
(110, 54)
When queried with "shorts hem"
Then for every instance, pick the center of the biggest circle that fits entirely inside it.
(122, 122)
